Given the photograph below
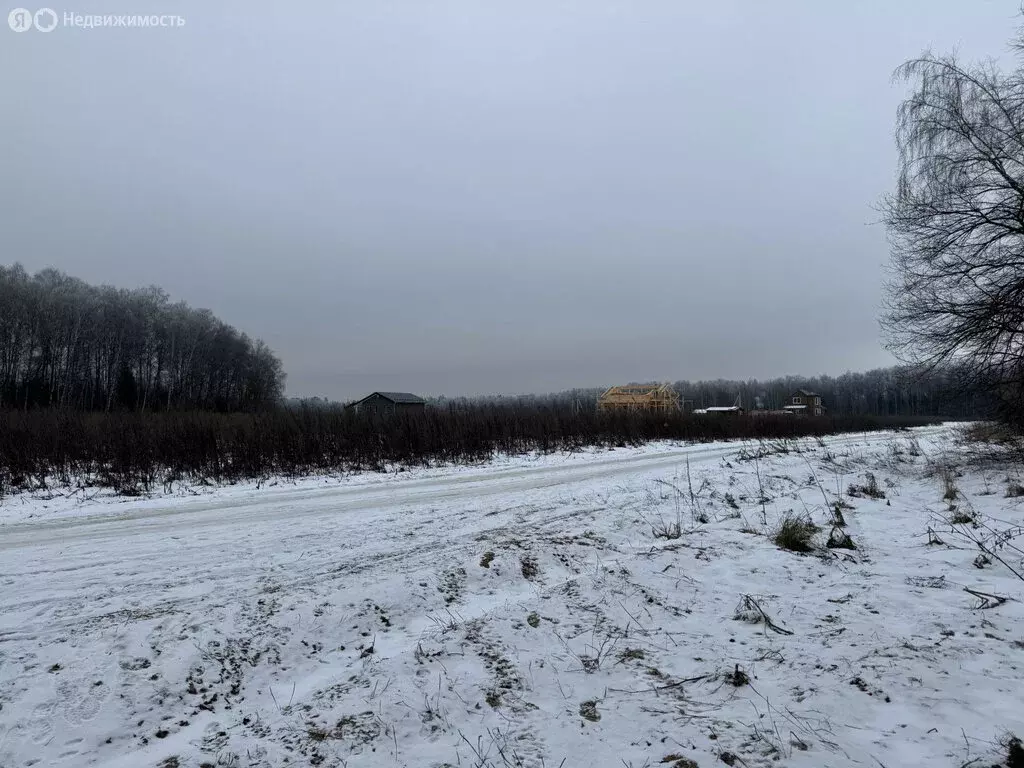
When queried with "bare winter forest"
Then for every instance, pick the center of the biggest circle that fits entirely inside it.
(124, 389)
(68, 345)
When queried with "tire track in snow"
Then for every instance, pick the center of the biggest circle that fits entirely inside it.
(270, 504)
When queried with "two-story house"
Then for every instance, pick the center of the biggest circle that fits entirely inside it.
(804, 402)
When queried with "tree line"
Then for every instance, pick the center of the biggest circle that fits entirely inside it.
(67, 344)
(894, 391)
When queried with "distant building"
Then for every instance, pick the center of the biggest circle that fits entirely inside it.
(660, 398)
(721, 410)
(804, 402)
(389, 402)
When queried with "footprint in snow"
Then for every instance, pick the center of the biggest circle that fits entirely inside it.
(40, 726)
(83, 698)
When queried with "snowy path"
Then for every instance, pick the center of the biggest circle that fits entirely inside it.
(419, 620)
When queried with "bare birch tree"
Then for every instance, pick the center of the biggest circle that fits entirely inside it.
(956, 225)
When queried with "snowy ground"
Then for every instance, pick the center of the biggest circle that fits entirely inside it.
(523, 613)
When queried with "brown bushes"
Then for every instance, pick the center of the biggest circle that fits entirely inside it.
(138, 452)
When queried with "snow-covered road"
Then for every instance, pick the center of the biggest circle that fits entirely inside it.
(500, 615)
(279, 503)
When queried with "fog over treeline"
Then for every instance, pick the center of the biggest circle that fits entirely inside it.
(65, 343)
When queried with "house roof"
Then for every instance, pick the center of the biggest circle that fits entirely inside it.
(723, 409)
(794, 407)
(394, 397)
(806, 393)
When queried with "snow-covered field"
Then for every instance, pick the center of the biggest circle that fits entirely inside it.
(523, 613)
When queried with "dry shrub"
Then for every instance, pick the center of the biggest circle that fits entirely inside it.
(992, 433)
(949, 490)
(869, 488)
(678, 761)
(667, 530)
(795, 533)
(588, 711)
(528, 565)
(962, 516)
(737, 677)
(1014, 751)
(140, 452)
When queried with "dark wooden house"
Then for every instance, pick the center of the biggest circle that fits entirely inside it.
(804, 402)
(389, 402)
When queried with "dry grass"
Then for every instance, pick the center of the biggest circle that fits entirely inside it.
(869, 488)
(678, 761)
(737, 677)
(529, 567)
(1014, 751)
(991, 433)
(962, 516)
(588, 711)
(795, 533)
(666, 530)
(631, 654)
(949, 490)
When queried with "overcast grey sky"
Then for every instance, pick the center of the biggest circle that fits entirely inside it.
(482, 196)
